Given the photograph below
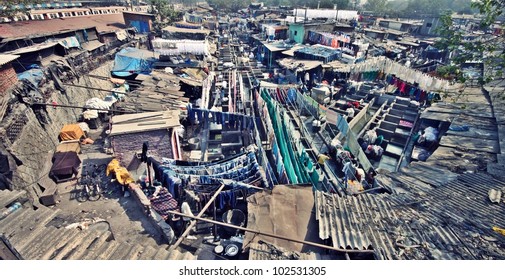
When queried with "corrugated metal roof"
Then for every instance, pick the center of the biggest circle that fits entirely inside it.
(451, 221)
(186, 30)
(291, 52)
(295, 63)
(429, 173)
(141, 122)
(35, 48)
(455, 220)
(6, 58)
(92, 45)
(138, 13)
(103, 23)
(360, 222)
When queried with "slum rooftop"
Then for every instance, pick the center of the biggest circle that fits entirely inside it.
(435, 209)
(27, 29)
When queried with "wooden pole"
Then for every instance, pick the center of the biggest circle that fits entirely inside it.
(86, 87)
(78, 107)
(193, 223)
(274, 235)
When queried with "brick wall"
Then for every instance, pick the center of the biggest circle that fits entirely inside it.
(125, 146)
(8, 78)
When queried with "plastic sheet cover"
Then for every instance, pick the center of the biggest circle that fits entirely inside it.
(133, 61)
(71, 132)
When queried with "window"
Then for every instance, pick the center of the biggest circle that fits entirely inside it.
(428, 24)
(296, 33)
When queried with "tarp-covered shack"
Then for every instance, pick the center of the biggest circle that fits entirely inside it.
(65, 166)
(129, 131)
(71, 132)
(131, 61)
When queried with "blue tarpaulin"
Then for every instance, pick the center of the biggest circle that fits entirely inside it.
(141, 26)
(133, 61)
(70, 42)
(33, 75)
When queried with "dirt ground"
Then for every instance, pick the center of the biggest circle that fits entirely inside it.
(127, 221)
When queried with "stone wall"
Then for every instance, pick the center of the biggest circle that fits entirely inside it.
(29, 142)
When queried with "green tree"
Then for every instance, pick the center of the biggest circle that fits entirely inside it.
(377, 6)
(423, 7)
(165, 14)
(228, 5)
(486, 48)
(492, 50)
(436, 7)
(450, 36)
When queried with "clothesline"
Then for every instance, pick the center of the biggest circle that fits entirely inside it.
(403, 72)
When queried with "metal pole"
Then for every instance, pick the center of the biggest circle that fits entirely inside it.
(193, 223)
(275, 235)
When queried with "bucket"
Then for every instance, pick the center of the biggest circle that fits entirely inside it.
(194, 143)
(231, 250)
(234, 217)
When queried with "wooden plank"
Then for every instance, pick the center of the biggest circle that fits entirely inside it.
(483, 145)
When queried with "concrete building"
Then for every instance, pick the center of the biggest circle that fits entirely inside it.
(143, 22)
(430, 26)
(298, 31)
(405, 26)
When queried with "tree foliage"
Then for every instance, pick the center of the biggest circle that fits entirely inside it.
(164, 12)
(486, 47)
(490, 9)
(377, 6)
(228, 5)
(451, 37)
(437, 7)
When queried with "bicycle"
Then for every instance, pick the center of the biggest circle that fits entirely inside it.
(91, 189)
